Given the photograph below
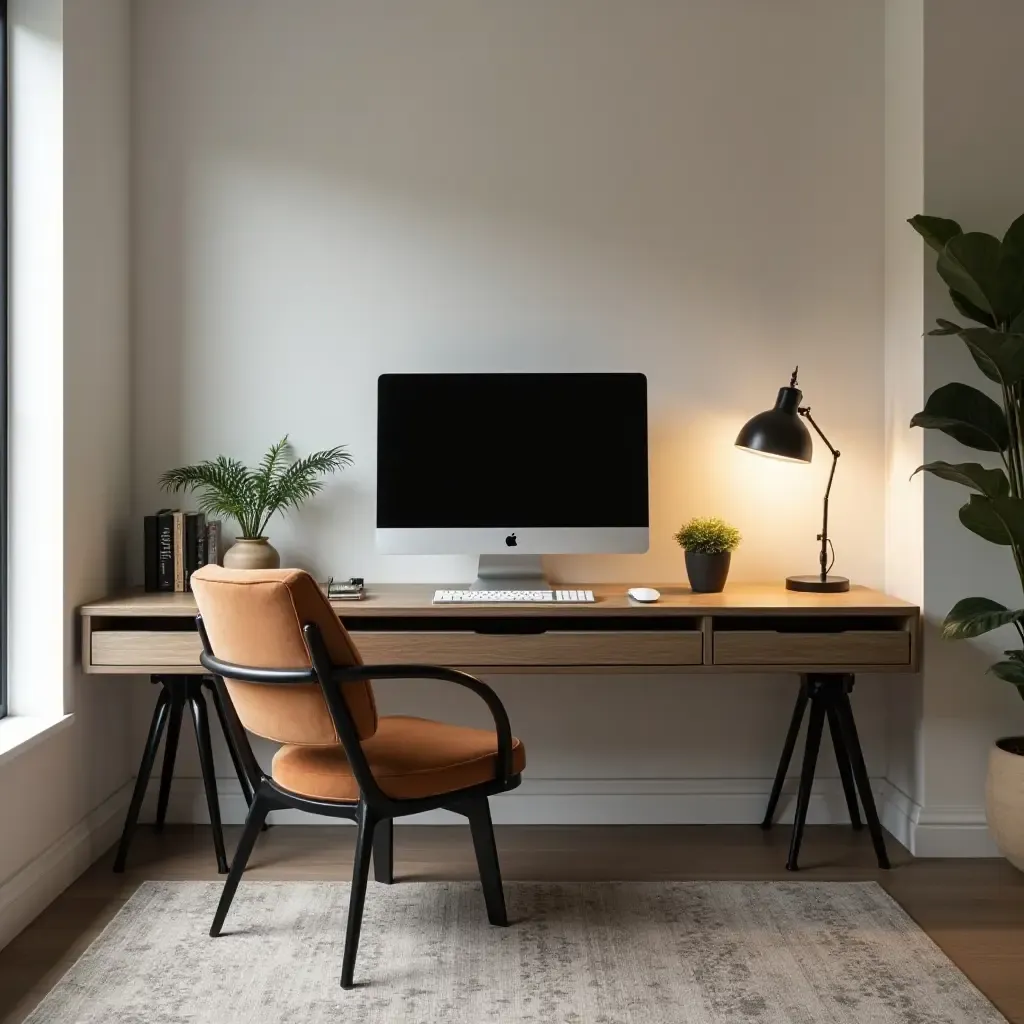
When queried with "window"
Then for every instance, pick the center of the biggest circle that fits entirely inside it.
(3, 357)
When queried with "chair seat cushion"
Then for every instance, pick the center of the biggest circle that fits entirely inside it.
(409, 758)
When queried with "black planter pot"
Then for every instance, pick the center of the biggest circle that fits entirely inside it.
(707, 573)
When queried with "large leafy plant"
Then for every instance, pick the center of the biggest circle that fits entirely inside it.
(985, 276)
(231, 489)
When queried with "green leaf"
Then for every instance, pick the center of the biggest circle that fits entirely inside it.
(251, 496)
(996, 352)
(1011, 284)
(1010, 671)
(299, 481)
(966, 414)
(998, 520)
(974, 616)
(990, 482)
(985, 364)
(986, 273)
(223, 482)
(1017, 326)
(936, 231)
(971, 311)
(1013, 240)
(969, 264)
(945, 327)
(1011, 512)
(979, 517)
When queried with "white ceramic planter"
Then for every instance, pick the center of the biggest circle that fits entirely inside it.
(1004, 798)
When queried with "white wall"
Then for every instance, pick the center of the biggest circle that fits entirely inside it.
(904, 383)
(973, 169)
(62, 800)
(324, 191)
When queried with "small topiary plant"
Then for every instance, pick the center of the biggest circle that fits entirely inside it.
(708, 535)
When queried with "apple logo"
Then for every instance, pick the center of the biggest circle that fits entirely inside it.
(510, 541)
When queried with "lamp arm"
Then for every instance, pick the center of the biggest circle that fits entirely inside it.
(805, 411)
(823, 536)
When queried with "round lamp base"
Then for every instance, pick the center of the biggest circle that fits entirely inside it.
(815, 584)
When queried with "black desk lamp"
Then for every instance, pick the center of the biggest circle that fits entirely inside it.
(780, 432)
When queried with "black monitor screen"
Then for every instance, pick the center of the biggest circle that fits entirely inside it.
(463, 450)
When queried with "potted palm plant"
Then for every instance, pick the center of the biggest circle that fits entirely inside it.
(985, 277)
(708, 543)
(229, 488)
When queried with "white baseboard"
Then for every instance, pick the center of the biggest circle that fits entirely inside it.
(569, 802)
(935, 831)
(898, 813)
(29, 892)
(953, 832)
(938, 832)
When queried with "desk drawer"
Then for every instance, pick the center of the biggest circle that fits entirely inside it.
(628, 647)
(850, 647)
(150, 649)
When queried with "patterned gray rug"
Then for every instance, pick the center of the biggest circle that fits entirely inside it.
(595, 953)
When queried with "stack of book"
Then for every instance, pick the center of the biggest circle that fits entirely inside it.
(176, 544)
(351, 589)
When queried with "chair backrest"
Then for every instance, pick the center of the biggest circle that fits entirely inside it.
(255, 618)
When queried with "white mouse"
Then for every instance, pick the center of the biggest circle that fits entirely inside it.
(645, 594)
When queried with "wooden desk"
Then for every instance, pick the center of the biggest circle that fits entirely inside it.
(824, 638)
(744, 629)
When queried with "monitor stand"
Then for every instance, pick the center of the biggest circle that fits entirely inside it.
(510, 572)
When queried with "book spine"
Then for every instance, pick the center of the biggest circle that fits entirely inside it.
(179, 552)
(195, 544)
(201, 555)
(213, 542)
(165, 551)
(150, 553)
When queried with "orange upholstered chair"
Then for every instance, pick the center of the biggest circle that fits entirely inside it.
(286, 669)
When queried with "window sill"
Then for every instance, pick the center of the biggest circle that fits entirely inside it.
(19, 733)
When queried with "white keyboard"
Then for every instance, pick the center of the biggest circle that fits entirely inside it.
(513, 597)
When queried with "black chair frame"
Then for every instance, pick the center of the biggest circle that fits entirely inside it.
(375, 811)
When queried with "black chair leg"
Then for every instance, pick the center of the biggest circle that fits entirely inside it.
(360, 872)
(384, 851)
(787, 756)
(479, 814)
(253, 822)
(815, 725)
(202, 725)
(239, 770)
(177, 708)
(156, 728)
(848, 728)
(843, 762)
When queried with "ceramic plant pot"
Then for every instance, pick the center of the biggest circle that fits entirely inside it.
(707, 573)
(258, 553)
(1004, 798)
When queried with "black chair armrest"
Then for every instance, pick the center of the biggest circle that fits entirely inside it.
(502, 726)
(269, 676)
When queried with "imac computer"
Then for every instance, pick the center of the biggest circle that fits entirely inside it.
(511, 466)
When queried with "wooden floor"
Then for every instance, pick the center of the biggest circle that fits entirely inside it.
(973, 909)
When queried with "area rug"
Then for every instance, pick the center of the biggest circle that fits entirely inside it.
(593, 953)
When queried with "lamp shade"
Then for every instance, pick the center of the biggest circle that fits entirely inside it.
(779, 431)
